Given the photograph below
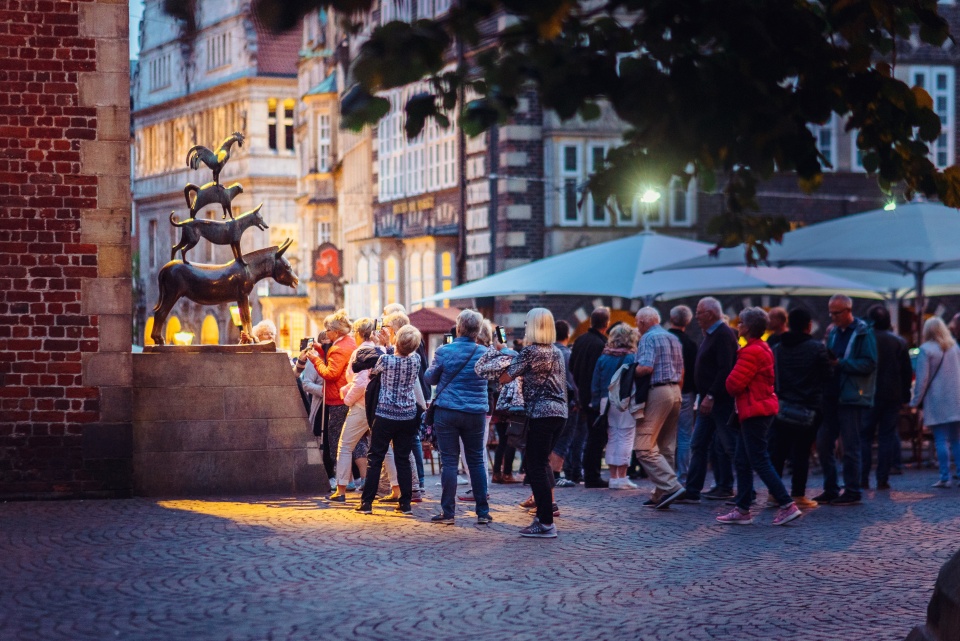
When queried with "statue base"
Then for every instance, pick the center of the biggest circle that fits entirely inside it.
(215, 420)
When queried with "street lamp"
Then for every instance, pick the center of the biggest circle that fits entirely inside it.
(891, 205)
(183, 338)
(650, 196)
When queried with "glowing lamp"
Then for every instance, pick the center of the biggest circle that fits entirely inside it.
(650, 196)
(183, 338)
(890, 206)
(235, 316)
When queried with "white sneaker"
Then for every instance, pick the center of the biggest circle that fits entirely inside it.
(627, 484)
(617, 484)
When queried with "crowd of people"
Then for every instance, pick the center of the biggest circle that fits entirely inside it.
(648, 400)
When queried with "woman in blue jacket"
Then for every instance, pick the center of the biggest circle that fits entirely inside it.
(461, 410)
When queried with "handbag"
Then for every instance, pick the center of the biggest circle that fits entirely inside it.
(517, 429)
(788, 411)
(428, 417)
(930, 382)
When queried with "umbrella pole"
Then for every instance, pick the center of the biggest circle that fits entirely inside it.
(919, 304)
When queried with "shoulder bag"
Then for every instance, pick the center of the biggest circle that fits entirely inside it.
(789, 412)
(943, 355)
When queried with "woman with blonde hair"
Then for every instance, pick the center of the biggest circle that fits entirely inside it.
(324, 379)
(544, 374)
(621, 426)
(937, 391)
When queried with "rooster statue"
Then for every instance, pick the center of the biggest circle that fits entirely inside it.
(215, 161)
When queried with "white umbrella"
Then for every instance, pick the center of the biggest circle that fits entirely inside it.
(617, 268)
(911, 240)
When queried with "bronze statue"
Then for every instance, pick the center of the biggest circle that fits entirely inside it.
(215, 161)
(217, 284)
(211, 194)
(216, 231)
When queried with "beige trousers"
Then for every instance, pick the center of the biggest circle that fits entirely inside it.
(656, 440)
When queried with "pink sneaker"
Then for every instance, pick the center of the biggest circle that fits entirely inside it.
(736, 517)
(787, 514)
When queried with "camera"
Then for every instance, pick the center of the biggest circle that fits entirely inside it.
(305, 343)
(502, 334)
(447, 339)
(378, 325)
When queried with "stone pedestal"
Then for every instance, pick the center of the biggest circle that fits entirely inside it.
(220, 420)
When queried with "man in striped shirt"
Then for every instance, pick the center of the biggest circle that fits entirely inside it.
(659, 355)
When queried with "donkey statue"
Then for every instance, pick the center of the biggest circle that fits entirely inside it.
(217, 284)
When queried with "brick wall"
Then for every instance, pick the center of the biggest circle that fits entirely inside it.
(65, 302)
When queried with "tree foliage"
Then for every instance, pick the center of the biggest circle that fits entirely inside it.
(723, 90)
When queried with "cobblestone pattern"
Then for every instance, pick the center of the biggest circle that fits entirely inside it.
(301, 569)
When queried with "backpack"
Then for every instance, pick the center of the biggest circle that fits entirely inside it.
(619, 391)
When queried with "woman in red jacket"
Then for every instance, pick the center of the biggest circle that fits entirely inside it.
(751, 385)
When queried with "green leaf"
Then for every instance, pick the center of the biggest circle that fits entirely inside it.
(359, 108)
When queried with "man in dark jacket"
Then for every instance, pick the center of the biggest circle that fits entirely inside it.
(802, 367)
(583, 359)
(894, 374)
(715, 360)
(680, 317)
(849, 395)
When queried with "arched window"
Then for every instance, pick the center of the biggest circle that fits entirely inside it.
(210, 331)
(173, 326)
(415, 270)
(446, 274)
(391, 281)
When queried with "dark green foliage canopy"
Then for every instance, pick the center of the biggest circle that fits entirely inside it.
(718, 89)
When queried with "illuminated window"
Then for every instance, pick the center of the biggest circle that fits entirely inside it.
(210, 331)
(272, 123)
(288, 106)
(391, 281)
(446, 274)
(415, 270)
(173, 326)
(323, 144)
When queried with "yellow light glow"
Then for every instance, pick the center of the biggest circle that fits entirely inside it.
(235, 315)
(183, 338)
(890, 206)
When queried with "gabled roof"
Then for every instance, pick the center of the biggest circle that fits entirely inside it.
(434, 320)
(277, 53)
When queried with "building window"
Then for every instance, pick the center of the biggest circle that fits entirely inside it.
(374, 287)
(323, 142)
(160, 72)
(415, 270)
(288, 106)
(272, 123)
(152, 243)
(826, 139)
(939, 83)
(210, 331)
(856, 154)
(429, 275)
(446, 274)
(683, 203)
(598, 212)
(425, 164)
(324, 232)
(391, 10)
(218, 50)
(570, 177)
(392, 281)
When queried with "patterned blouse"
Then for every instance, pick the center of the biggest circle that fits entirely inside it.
(399, 386)
(544, 380)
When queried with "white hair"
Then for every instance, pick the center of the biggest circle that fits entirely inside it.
(841, 298)
(264, 331)
(710, 303)
(393, 308)
(649, 315)
(468, 323)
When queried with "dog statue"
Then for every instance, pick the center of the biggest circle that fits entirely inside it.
(216, 232)
(211, 194)
(218, 284)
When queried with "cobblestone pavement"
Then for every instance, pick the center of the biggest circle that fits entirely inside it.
(301, 569)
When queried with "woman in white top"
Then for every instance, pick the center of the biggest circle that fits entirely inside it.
(937, 390)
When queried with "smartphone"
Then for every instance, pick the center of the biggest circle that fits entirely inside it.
(305, 343)
(502, 334)
(378, 325)
(447, 339)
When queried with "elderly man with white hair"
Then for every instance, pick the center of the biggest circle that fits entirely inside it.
(661, 356)
(715, 360)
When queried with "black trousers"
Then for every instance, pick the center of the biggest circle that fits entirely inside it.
(402, 434)
(504, 454)
(794, 443)
(593, 450)
(541, 436)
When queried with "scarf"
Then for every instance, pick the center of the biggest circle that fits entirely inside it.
(617, 352)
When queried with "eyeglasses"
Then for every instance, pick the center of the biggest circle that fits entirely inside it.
(840, 311)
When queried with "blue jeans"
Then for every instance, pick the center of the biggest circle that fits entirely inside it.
(753, 455)
(684, 435)
(843, 422)
(451, 427)
(706, 427)
(418, 457)
(880, 422)
(946, 436)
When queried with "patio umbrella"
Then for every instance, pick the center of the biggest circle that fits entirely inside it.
(911, 240)
(617, 268)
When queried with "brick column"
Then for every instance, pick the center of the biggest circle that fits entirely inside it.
(65, 290)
